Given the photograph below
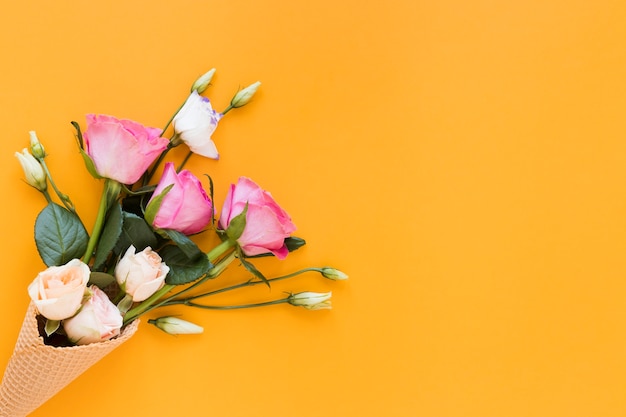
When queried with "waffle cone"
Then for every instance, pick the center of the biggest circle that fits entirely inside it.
(36, 372)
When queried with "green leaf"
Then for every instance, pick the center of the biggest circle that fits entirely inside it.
(136, 232)
(251, 268)
(59, 235)
(237, 225)
(182, 269)
(211, 197)
(110, 235)
(294, 243)
(52, 326)
(185, 244)
(89, 164)
(101, 279)
(153, 206)
(79, 134)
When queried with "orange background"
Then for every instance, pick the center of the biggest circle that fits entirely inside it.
(464, 162)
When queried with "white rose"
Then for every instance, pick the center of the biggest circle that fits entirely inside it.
(141, 274)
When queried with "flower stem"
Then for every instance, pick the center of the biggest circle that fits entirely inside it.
(147, 304)
(249, 283)
(182, 164)
(219, 250)
(236, 307)
(109, 195)
(155, 301)
(63, 197)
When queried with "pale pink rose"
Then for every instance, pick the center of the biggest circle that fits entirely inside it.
(58, 291)
(267, 224)
(186, 207)
(121, 149)
(141, 274)
(98, 320)
(195, 123)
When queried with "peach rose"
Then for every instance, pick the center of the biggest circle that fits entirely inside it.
(141, 274)
(98, 320)
(58, 291)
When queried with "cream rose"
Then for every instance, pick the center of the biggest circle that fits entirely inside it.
(141, 274)
(98, 320)
(58, 291)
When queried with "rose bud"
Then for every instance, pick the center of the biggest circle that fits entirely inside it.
(33, 172)
(203, 81)
(173, 325)
(244, 96)
(311, 300)
(141, 274)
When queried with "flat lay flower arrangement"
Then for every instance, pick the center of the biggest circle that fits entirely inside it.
(139, 255)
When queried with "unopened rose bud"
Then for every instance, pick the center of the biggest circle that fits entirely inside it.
(243, 96)
(203, 82)
(311, 300)
(33, 171)
(35, 146)
(334, 274)
(173, 325)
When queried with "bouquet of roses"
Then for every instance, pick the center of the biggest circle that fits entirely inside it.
(140, 254)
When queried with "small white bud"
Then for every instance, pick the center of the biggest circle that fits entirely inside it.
(174, 325)
(243, 96)
(334, 274)
(35, 146)
(311, 300)
(33, 171)
(202, 83)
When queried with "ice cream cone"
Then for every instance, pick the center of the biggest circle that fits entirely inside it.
(36, 371)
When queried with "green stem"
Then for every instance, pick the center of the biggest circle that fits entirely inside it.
(47, 195)
(236, 307)
(153, 302)
(219, 250)
(238, 286)
(169, 122)
(109, 194)
(146, 305)
(182, 164)
(155, 166)
(227, 109)
(63, 197)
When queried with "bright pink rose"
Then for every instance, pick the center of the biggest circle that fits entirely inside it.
(58, 291)
(267, 224)
(121, 149)
(98, 320)
(186, 207)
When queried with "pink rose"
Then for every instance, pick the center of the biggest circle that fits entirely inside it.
(58, 291)
(186, 207)
(195, 123)
(97, 321)
(267, 224)
(141, 274)
(121, 149)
